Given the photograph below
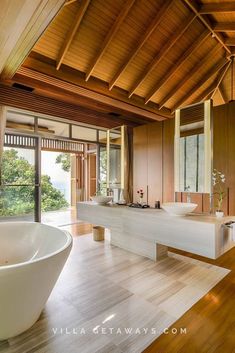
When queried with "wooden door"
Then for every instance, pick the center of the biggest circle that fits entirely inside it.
(91, 174)
(77, 180)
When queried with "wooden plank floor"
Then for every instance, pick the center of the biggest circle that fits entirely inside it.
(105, 287)
(210, 322)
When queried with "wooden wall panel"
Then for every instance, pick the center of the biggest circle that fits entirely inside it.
(17, 98)
(223, 158)
(231, 158)
(153, 150)
(221, 144)
(195, 198)
(140, 161)
(154, 163)
(168, 160)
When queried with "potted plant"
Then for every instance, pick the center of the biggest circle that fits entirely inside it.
(219, 191)
(140, 192)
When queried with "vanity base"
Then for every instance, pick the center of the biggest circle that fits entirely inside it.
(138, 245)
(148, 232)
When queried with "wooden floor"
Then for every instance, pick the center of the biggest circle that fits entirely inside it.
(210, 322)
(104, 286)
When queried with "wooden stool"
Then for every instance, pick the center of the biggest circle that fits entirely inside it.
(98, 233)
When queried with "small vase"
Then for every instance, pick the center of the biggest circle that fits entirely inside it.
(219, 214)
(141, 201)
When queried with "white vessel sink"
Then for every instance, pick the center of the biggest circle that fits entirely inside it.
(179, 208)
(101, 200)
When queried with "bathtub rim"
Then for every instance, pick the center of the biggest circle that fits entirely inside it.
(69, 242)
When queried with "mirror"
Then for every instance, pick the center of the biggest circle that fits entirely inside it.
(116, 161)
(193, 148)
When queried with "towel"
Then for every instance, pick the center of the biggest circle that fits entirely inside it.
(233, 232)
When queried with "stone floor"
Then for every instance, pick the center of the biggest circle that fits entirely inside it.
(109, 300)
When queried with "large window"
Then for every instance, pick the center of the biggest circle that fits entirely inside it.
(19, 187)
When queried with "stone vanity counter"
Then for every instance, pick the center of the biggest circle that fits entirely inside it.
(149, 232)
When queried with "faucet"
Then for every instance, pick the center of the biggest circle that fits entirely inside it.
(188, 194)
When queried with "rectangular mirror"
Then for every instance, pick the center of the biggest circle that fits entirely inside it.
(116, 161)
(193, 148)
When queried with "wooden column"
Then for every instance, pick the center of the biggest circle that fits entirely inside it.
(3, 115)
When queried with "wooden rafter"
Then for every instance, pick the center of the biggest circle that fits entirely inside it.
(163, 52)
(210, 91)
(69, 2)
(230, 42)
(22, 24)
(211, 8)
(209, 57)
(142, 41)
(183, 58)
(51, 79)
(202, 82)
(224, 27)
(40, 63)
(72, 31)
(221, 94)
(220, 78)
(116, 26)
(195, 8)
(206, 94)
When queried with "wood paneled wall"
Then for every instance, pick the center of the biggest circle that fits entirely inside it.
(153, 146)
(154, 160)
(17, 98)
(224, 150)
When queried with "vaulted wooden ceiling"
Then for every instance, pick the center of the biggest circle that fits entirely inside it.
(156, 55)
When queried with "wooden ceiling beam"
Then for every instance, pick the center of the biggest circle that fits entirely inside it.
(210, 91)
(195, 8)
(220, 78)
(202, 82)
(209, 57)
(224, 27)
(183, 58)
(162, 53)
(206, 94)
(59, 82)
(111, 33)
(230, 42)
(21, 25)
(213, 8)
(163, 9)
(69, 2)
(222, 94)
(45, 65)
(72, 31)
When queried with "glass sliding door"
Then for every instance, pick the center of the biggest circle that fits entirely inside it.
(20, 179)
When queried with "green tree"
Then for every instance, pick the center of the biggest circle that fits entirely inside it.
(64, 160)
(20, 200)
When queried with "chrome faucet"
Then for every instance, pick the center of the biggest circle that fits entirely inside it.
(188, 194)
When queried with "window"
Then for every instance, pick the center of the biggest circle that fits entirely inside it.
(192, 163)
(53, 127)
(84, 133)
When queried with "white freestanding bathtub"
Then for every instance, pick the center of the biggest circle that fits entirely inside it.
(32, 256)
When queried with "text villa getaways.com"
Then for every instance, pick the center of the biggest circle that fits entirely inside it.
(99, 330)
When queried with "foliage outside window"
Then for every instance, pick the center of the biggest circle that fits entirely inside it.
(19, 200)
